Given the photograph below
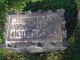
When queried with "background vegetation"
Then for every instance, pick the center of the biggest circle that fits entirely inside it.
(73, 27)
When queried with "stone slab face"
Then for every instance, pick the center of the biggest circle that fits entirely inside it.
(36, 32)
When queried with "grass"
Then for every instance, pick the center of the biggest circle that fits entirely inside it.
(73, 28)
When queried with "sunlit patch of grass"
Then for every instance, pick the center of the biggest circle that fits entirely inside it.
(2, 1)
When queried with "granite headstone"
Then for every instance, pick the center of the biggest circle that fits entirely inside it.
(35, 32)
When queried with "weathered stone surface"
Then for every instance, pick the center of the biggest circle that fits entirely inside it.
(78, 16)
(36, 31)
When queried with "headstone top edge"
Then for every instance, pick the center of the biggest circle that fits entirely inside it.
(59, 11)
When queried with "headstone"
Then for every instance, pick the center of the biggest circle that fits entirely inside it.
(36, 31)
(78, 16)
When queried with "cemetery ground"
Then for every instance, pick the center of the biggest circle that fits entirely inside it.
(73, 27)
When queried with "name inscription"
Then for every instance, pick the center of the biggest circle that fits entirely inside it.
(33, 27)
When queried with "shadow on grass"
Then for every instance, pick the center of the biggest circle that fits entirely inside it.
(43, 56)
